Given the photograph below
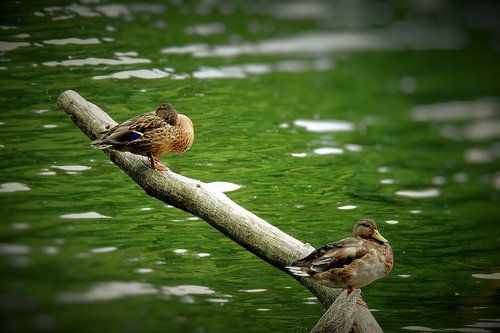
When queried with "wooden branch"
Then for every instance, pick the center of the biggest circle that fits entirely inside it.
(193, 196)
(330, 322)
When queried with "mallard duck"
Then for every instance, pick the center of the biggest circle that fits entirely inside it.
(350, 263)
(152, 134)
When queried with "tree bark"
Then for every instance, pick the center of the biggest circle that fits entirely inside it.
(193, 196)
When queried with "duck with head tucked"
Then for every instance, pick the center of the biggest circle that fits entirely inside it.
(151, 134)
(350, 263)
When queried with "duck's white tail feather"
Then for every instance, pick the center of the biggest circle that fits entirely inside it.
(298, 271)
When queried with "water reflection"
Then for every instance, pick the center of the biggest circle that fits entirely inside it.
(222, 186)
(492, 276)
(20, 225)
(427, 193)
(93, 61)
(328, 151)
(138, 73)
(106, 291)
(86, 215)
(10, 46)
(186, 293)
(457, 110)
(106, 249)
(480, 326)
(75, 41)
(13, 187)
(402, 35)
(14, 249)
(142, 270)
(322, 126)
(205, 29)
(347, 207)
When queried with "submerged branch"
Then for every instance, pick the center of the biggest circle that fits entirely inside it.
(193, 196)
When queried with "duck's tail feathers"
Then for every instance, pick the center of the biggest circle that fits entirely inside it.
(299, 271)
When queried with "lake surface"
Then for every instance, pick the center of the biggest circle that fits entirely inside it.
(311, 115)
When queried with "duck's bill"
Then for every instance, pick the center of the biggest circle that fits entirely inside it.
(379, 237)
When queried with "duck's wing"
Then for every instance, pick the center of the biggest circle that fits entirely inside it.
(130, 130)
(334, 255)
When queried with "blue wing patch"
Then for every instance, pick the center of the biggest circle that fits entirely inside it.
(133, 136)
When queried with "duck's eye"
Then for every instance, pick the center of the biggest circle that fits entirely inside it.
(365, 225)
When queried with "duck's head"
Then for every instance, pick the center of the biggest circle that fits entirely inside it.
(168, 112)
(366, 228)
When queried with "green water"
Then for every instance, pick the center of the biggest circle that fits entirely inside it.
(416, 89)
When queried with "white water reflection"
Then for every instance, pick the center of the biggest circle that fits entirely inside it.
(482, 130)
(20, 225)
(108, 10)
(328, 151)
(74, 41)
(13, 187)
(142, 270)
(139, 73)
(482, 155)
(185, 49)
(347, 207)
(476, 327)
(222, 186)
(457, 110)
(342, 14)
(205, 29)
(71, 167)
(106, 291)
(186, 293)
(184, 290)
(400, 36)
(492, 276)
(86, 215)
(49, 250)
(253, 290)
(10, 46)
(14, 249)
(238, 71)
(353, 147)
(234, 72)
(98, 61)
(427, 193)
(322, 126)
(106, 249)
(496, 181)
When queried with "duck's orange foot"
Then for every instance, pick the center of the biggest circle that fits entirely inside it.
(361, 302)
(156, 164)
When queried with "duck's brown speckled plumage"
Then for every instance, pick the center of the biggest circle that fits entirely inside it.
(151, 134)
(350, 263)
